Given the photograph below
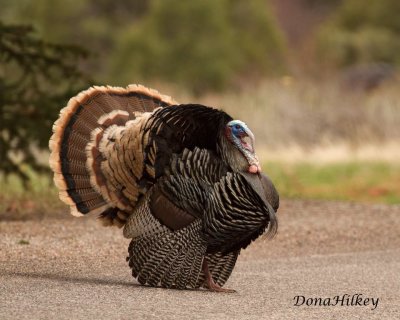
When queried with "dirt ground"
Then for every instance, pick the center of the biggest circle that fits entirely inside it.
(62, 267)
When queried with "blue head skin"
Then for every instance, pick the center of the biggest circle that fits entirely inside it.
(242, 138)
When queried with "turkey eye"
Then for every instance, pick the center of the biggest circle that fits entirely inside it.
(237, 127)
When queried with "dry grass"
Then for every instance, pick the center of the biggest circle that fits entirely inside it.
(387, 152)
(309, 114)
(39, 198)
(321, 139)
(373, 182)
(317, 140)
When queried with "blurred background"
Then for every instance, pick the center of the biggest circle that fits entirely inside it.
(317, 81)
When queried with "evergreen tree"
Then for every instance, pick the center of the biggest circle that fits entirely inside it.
(36, 79)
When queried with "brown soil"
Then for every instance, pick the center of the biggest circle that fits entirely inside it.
(68, 267)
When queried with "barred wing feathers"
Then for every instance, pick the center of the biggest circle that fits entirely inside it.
(205, 212)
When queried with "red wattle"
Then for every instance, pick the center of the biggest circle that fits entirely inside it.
(253, 169)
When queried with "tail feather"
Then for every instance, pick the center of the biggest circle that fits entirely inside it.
(164, 266)
(172, 259)
(75, 151)
(224, 268)
(137, 261)
(191, 267)
(160, 256)
(220, 266)
(195, 271)
(170, 272)
(158, 253)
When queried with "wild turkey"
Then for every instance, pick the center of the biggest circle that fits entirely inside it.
(183, 180)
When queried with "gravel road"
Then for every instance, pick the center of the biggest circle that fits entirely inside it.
(61, 267)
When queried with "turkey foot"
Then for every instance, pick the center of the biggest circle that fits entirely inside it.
(209, 281)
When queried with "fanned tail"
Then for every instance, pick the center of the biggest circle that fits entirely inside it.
(76, 156)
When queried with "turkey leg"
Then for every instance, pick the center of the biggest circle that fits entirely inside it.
(209, 282)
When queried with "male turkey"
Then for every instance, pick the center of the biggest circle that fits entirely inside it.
(183, 180)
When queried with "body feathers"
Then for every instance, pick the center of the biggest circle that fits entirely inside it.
(169, 174)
